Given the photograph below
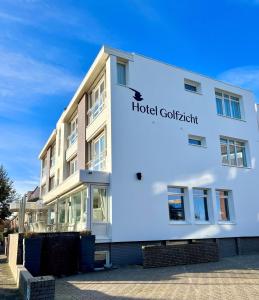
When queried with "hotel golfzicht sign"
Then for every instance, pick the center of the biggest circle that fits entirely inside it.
(162, 112)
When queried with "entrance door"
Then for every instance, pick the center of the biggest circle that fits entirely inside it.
(100, 213)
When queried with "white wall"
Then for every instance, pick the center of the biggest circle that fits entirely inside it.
(158, 148)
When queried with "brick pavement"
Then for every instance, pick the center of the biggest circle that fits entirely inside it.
(8, 288)
(234, 278)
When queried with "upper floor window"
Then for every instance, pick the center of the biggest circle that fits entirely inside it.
(121, 73)
(73, 166)
(44, 166)
(72, 138)
(228, 105)
(192, 86)
(96, 101)
(176, 198)
(233, 152)
(195, 140)
(52, 155)
(51, 183)
(224, 205)
(98, 153)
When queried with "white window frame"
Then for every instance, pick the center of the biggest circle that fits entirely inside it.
(230, 98)
(73, 166)
(98, 163)
(124, 63)
(246, 159)
(231, 210)
(209, 206)
(185, 203)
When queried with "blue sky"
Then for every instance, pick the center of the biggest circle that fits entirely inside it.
(46, 47)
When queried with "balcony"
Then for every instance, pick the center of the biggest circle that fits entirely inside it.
(30, 206)
(72, 145)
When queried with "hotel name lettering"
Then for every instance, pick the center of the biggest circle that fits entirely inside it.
(164, 113)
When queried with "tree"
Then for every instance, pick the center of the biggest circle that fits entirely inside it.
(7, 194)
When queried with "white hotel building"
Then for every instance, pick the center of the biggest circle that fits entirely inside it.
(177, 162)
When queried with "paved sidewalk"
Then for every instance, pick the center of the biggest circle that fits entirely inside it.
(235, 278)
(8, 288)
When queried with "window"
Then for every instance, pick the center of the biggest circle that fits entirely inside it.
(62, 211)
(228, 105)
(44, 167)
(100, 204)
(98, 153)
(72, 138)
(96, 101)
(223, 205)
(200, 201)
(73, 166)
(176, 197)
(52, 155)
(233, 152)
(51, 215)
(76, 207)
(192, 86)
(196, 140)
(121, 73)
(59, 141)
(51, 183)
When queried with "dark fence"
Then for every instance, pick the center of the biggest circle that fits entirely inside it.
(58, 253)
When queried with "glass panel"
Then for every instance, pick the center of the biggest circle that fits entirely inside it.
(195, 142)
(99, 204)
(200, 205)
(224, 154)
(51, 215)
(232, 155)
(222, 206)
(176, 207)
(190, 87)
(227, 107)
(84, 204)
(62, 211)
(76, 207)
(175, 190)
(241, 156)
(219, 106)
(236, 113)
(121, 73)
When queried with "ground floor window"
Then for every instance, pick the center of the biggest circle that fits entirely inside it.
(176, 197)
(200, 202)
(223, 199)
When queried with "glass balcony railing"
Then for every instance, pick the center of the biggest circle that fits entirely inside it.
(72, 138)
(98, 163)
(96, 109)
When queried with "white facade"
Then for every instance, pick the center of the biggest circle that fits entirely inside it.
(152, 142)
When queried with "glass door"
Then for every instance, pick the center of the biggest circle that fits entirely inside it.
(100, 214)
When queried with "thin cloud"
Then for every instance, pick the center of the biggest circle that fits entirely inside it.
(246, 77)
(22, 77)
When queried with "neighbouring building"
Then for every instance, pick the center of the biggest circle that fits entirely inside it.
(148, 152)
(30, 214)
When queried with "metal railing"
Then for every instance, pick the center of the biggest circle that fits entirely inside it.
(98, 163)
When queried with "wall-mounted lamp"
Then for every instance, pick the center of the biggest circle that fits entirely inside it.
(139, 175)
